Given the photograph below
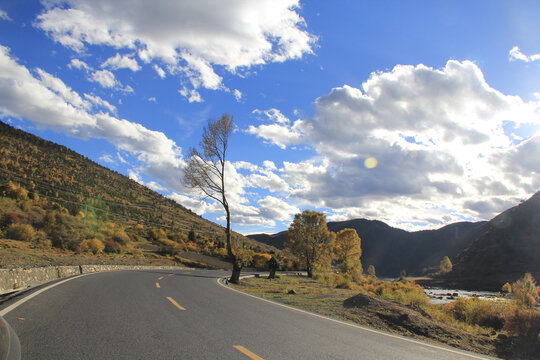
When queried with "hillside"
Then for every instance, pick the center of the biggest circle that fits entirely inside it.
(391, 250)
(43, 184)
(504, 252)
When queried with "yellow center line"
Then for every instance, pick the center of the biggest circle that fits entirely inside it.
(175, 303)
(170, 275)
(157, 285)
(248, 353)
(160, 278)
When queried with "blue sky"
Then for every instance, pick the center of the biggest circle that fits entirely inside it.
(418, 114)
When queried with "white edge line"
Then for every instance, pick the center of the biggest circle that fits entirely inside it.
(26, 298)
(354, 325)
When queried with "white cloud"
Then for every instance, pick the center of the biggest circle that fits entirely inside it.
(156, 186)
(198, 206)
(78, 64)
(152, 99)
(4, 15)
(104, 78)
(270, 181)
(121, 62)
(437, 137)
(234, 35)
(107, 158)
(159, 71)
(191, 95)
(48, 102)
(269, 165)
(516, 54)
(277, 209)
(121, 158)
(279, 132)
(65, 92)
(96, 100)
(237, 94)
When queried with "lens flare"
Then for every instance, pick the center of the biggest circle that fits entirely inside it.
(370, 163)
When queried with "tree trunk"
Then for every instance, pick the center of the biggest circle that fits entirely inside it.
(235, 277)
(309, 271)
(272, 273)
(237, 266)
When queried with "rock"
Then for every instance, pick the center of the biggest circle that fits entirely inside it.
(292, 292)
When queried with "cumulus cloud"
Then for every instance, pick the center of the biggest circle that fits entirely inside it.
(236, 34)
(104, 78)
(412, 138)
(280, 132)
(516, 54)
(121, 62)
(277, 209)
(78, 64)
(48, 102)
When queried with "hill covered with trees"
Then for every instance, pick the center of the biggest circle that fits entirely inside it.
(54, 198)
(508, 248)
(391, 250)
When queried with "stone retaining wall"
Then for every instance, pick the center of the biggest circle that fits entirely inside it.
(17, 279)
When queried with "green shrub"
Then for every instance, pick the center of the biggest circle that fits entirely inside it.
(22, 232)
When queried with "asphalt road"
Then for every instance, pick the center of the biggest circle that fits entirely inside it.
(188, 315)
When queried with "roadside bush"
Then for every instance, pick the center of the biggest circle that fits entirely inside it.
(477, 312)
(523, 323)
(112, 246)
(344, 282)
(525, 291)
(94, 246)
(21, 232)
(407, 293)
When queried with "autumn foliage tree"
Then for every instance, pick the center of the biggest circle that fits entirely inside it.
(348, 249)
(445, 265)
(309, 239)
(525, 291)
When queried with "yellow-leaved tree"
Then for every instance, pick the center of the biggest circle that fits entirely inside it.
(348, 250)
(309, 239)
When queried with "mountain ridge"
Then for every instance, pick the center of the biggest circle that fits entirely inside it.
(391, 249)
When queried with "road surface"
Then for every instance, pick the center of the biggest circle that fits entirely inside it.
(186, 314)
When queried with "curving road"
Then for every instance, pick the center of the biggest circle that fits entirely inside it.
(188, 315)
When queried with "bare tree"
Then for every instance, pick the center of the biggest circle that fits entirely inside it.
(205, 171)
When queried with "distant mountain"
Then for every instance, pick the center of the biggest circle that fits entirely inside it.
(509, 247)
(61, 175)
(391, 250)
